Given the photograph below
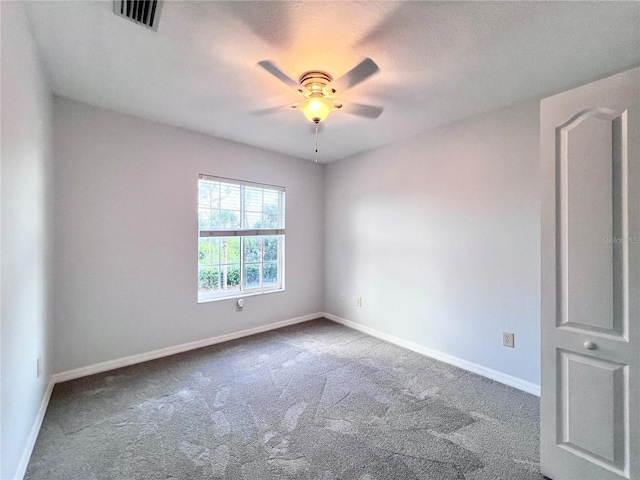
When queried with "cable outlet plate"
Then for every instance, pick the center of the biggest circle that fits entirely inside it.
(508, 339)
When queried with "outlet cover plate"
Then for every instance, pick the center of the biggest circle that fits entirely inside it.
(508, 339)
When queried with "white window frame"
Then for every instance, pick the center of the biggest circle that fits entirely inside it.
(243, 233)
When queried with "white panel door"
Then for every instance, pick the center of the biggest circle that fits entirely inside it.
(590, 403)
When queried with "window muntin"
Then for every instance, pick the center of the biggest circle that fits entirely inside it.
(240, 238)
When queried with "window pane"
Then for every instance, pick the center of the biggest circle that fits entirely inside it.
(208, 194)
(271, 198)
(208, 251)
(230, 250)
(252, 249)
(207, 218)
(204, 251)
(271, 210)
(227, 219)
(270, 272)
(230, 277)
(253, 220)
(270, 249)
(215, 251)
(208, 279)
(253, 199)
(227, 265)
(252, 275)
(270, 218)
(230, 196)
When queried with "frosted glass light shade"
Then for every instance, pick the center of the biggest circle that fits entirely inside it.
(316, 109)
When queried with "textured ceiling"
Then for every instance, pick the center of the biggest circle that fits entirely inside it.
(439, 62)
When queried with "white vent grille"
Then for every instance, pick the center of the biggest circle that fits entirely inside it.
(142, 12)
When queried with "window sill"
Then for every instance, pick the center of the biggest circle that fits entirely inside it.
(239, 295)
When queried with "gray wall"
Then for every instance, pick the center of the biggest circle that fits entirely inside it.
(26, 239)
(439, 235)
(126, 235)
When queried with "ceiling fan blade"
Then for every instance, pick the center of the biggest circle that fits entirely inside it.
(270, 110)
(356, 75)
(368, 111)
(273, 69)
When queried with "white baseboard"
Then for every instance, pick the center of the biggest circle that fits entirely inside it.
(35, 430)
(165, 352)
(514, 382)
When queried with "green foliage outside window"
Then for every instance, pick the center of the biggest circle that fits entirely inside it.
(208, 277)
(233, 207)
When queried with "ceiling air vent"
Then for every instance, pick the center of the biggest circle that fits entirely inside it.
(143, 12)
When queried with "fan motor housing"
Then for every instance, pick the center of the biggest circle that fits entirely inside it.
(316, 82)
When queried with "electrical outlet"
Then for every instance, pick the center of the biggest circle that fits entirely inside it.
(359, 301)
(39, 367)
(508, 339)
(342, 298)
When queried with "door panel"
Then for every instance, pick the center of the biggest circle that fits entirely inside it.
(596, 390)
(590, 395)
(591, 208)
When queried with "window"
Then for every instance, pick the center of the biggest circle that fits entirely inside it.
(240, 238)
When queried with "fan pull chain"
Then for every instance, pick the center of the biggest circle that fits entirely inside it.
(316, 143)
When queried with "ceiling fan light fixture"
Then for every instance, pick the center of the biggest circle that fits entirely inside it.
(316, 108)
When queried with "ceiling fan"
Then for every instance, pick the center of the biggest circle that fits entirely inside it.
(319, 89)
